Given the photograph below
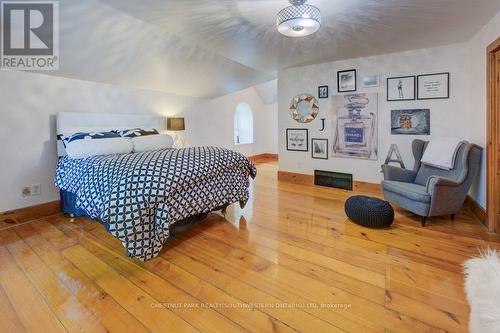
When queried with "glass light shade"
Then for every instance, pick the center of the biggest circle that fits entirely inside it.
(299, 21)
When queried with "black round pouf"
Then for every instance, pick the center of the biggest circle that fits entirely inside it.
(369, 212)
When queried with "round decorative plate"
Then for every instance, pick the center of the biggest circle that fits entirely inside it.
(304, 108)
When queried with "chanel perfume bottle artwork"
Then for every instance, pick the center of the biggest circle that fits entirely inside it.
(355, 124)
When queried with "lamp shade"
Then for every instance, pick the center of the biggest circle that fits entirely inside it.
(175, 124)
(299, 20)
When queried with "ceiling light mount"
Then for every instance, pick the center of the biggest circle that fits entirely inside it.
(299, 19)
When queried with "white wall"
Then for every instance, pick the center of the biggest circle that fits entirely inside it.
(29, 103)
(462, 115)
(212, 122)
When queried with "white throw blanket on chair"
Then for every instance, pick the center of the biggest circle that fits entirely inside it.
(482, 286)
(441, 153)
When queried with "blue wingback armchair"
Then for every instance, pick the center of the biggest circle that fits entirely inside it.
(428, 191)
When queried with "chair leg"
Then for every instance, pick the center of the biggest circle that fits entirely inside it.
(453, 217)
(423, 219)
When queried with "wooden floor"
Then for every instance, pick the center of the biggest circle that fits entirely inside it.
(290, 261)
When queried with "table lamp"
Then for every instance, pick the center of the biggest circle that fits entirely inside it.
(176, 124)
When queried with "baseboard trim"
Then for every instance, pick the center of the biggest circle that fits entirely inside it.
(296, 178)
(303, 179)
(263, 158)
(476, 209)
(22, 215)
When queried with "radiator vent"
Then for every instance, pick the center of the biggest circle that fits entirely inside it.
(333, 179)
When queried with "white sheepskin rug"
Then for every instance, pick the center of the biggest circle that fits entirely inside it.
(482, 286)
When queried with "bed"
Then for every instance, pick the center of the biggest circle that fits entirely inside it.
(140, 196)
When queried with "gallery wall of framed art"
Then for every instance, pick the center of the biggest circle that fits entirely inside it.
(354, 116)
(351, 143)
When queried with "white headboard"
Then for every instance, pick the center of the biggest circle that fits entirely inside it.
(74, 122)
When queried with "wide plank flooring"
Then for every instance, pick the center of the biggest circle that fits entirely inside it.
(289, 262)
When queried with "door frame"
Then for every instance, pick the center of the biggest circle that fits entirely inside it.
(492, 126)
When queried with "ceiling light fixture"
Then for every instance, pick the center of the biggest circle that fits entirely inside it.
(299, 19)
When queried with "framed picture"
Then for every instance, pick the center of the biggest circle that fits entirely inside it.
(401, 88)
(319, 148)
(297, 139)
(370, 81)
(411, 122)
(323, 92)
(354, 126)
(346, 80)
(433, 86)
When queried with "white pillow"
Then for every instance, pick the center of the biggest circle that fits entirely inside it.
(152, 142)
(89, 147)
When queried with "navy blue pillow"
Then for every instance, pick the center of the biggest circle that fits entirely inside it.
(134, 132)
(87, 136)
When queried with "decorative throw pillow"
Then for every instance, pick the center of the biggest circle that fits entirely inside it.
(66, 139)
(134, 132)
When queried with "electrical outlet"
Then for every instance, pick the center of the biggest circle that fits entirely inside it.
(29, 191)
(36, 189)
(26, 191)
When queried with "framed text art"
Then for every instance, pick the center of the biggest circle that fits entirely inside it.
(433, 86)
(297, 139)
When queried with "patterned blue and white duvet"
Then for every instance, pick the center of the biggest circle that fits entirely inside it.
(138, 196)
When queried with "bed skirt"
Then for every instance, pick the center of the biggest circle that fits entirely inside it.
(68, 204)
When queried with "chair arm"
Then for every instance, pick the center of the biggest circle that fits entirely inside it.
(447, 196)
(398, 174)
(435, 181)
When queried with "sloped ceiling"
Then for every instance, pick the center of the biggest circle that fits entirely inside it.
(208, 48)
